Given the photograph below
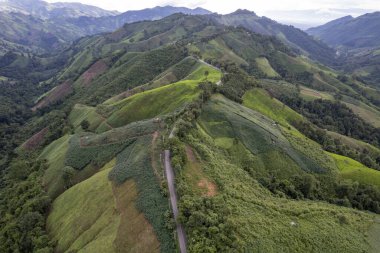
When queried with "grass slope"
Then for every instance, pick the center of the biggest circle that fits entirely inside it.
(265, 67)
(265, 223)
(83, 112)
(113, 224)
(259, 100)
(55, 154)
(162, 100)
(231, 124)
(351, 169)
(84, 217)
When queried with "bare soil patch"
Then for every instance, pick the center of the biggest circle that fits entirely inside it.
(207, 187)
(55, 95)
(135, 234)
(36, 140)
(94, 71)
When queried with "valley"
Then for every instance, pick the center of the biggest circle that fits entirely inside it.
(173, 129)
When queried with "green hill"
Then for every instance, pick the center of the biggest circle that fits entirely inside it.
(271, 151)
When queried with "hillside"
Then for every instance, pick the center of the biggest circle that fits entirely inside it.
(271, 151)
(290, 35)
(37, 26)
(45, 10)
(360, 32)
(357, 40)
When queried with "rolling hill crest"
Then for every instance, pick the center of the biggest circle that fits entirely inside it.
(266, 144)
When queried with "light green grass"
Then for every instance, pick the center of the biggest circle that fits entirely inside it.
(83, 112)
(84, 218)
(55, 155)
(222, 118)
(152, 103)
(310, 94)
(199, 74)
(162, 100)
(265, 67)
(259, 100)
(351, 169)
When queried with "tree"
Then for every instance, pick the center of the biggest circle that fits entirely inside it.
(206, 74)
(67, 175)
(85, 124)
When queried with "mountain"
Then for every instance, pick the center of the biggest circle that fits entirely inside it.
(257, 145)
(357, 42)
(290, 35)
(40, 33)
(92, 25)
(261, 142)
(46, 10)
(350, 33)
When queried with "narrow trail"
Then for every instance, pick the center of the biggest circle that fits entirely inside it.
(173, 200)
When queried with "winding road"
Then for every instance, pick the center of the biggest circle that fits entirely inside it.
(173, 201)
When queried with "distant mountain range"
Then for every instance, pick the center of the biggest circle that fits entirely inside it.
(290, 35)
(349, 32)
(46, 10)
(358, 43)
(37, 26)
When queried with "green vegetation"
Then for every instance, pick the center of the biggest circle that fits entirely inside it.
(265, 67)
(89, 208)
(252, 173)
(310, 94)
(253, 219)
(55, 155)
(261, 101)
(23, 208)
(81, 113)
(135, 163)
(162, 100)
(152, 103)
(260, 135)
(367, 113)
(351, 169)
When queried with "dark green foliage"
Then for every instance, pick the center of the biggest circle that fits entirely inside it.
(359, 196)
(334, 145)
(182, 69)
(236, 83)
(24, 206)
(178, 155)
(79, 156)
(85, 124)
(135, 163)
(337, 117)
(208, 225)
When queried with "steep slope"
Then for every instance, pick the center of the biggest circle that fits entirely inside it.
(292, 36)
(47, 10)
(249, 152)
(363, 31)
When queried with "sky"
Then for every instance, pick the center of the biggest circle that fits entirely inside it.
(319, 11)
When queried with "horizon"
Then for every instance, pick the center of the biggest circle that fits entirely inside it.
(308, 13)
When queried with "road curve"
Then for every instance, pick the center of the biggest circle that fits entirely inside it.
(173, 201)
